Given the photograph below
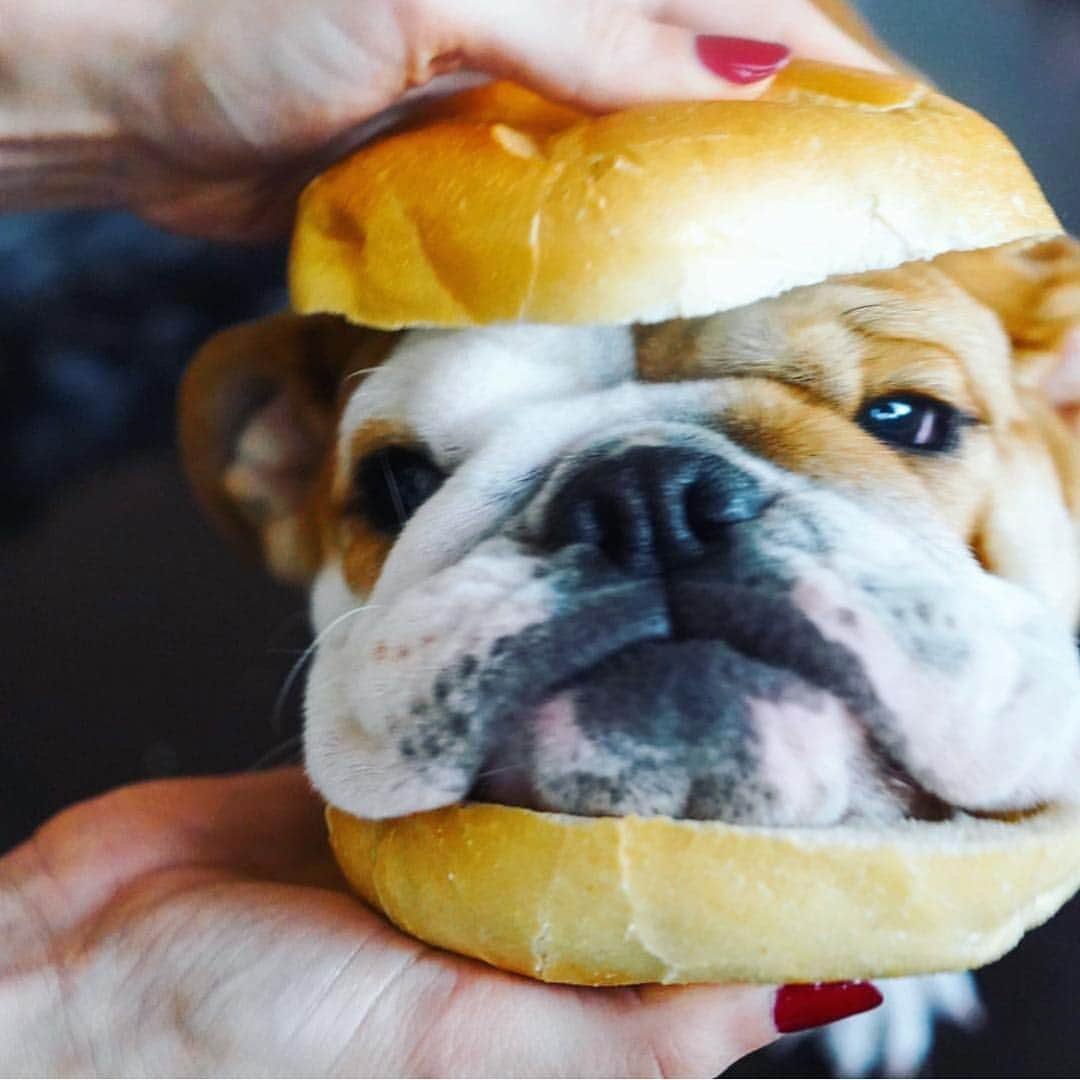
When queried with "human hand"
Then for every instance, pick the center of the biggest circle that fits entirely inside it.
(208, 118)
(194, 927)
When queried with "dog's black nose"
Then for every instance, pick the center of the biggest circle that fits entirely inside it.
(652, 508)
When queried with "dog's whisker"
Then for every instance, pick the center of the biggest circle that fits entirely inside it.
(359, 372)
(395, 491)
(294, 672)
(286, 752)
(484, 774)
(860, 307)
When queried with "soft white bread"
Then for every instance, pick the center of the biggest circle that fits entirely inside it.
(499, 205)
(610, 901)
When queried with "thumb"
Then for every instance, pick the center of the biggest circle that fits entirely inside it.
(601, 54)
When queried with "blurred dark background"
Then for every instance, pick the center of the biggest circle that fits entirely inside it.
(136, 645)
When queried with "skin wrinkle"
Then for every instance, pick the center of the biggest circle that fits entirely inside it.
(106, 936)
(370, 69)
(195, 1037)
(620, 29)
(437, 1045)
(32, 852)
(322, 996)
(405, 969)
(194, 1011)
(575, 1003)
(52, 965)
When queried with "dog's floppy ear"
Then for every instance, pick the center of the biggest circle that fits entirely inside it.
(1035, 291)
(258, 409)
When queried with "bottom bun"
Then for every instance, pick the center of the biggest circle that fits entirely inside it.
(615, 901)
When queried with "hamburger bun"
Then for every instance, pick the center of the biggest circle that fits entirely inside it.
(497, 205)
(615, 901)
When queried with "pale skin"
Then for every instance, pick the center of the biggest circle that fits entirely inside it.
(207, 116)
(198, 926)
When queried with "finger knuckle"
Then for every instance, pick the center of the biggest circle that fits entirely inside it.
(618, 39)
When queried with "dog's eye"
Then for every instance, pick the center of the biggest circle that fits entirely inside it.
(392, 483)
(911, 422)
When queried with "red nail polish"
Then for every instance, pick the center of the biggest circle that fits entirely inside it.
(741, 60)
(808, 1005)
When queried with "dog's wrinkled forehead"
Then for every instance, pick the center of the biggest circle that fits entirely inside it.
(910, 330)
(907, 329)
(450, 388)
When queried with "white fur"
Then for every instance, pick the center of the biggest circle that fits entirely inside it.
(455, 387)
(896, 1038)
(500, 404)
(370, 671)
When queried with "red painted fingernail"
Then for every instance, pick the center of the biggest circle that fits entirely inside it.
(741, 60)
(808, 1005)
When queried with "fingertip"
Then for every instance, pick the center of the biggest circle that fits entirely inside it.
(617, 57)
(668, 63)
(801, 1006)
(739, 61)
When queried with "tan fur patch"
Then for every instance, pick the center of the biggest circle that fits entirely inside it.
(362, 549)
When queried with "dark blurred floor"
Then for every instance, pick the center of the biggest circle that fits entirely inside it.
(135, 644)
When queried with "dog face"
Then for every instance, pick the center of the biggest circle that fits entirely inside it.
(808, 561)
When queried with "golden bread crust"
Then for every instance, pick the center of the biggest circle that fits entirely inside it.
(497, 205)
(613, 901)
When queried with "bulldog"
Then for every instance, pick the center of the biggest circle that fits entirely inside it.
(809, 560)
(806, 562)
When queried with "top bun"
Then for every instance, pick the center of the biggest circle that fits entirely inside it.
(497, 205)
